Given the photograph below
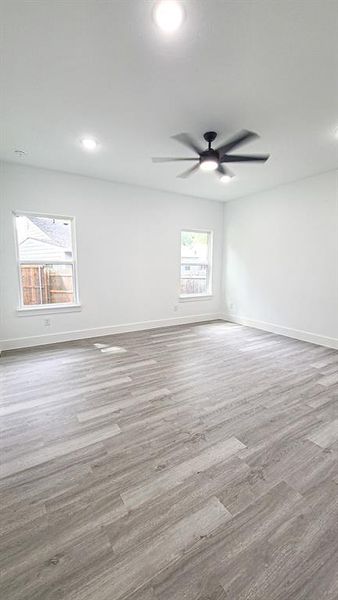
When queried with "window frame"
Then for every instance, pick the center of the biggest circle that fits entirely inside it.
(209, 293)
(57, 306)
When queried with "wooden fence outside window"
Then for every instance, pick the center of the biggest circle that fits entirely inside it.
(47, 284)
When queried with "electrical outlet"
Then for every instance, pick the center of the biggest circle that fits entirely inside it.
(46, 322)
(175, 307)
(232, 306)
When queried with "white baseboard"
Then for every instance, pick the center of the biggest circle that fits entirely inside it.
(298, 334)
(67, 336)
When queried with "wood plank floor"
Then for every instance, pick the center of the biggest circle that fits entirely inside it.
(194, 462)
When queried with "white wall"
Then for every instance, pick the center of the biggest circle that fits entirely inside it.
(280, 268)
(281, 259)
(128, 243)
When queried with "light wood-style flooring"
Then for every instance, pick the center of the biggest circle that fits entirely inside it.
(189, 463)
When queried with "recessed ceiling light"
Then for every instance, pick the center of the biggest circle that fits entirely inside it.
(226, 178)
(89, 143)
(168, 15)
(209, 164)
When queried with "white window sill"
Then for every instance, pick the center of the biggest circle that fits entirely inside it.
(48, 309)
(193, 298)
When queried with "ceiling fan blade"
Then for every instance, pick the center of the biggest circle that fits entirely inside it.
(186, 140)
(189, 172)
(160, 159)
(224, 171)
(238, 139)
(244, 158)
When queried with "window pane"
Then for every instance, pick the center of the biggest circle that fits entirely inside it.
(194, 286)
(47, 284)
(44, 238)
(194, 278)
(194, 263)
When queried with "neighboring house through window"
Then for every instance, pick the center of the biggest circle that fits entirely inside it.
(46, 260)
(196, 264)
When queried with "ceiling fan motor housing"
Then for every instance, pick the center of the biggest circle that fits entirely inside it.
(209, 155)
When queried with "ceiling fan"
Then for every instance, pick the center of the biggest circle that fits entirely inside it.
(213, 159)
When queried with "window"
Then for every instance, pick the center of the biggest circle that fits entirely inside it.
(196, 251)
(46, 260)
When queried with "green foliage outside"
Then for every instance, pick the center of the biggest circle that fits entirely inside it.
(189, 238)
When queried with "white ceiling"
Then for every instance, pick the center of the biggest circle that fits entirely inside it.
(99, 67)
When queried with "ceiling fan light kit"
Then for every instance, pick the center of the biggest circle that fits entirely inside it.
(213, 159)
(209, 158)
